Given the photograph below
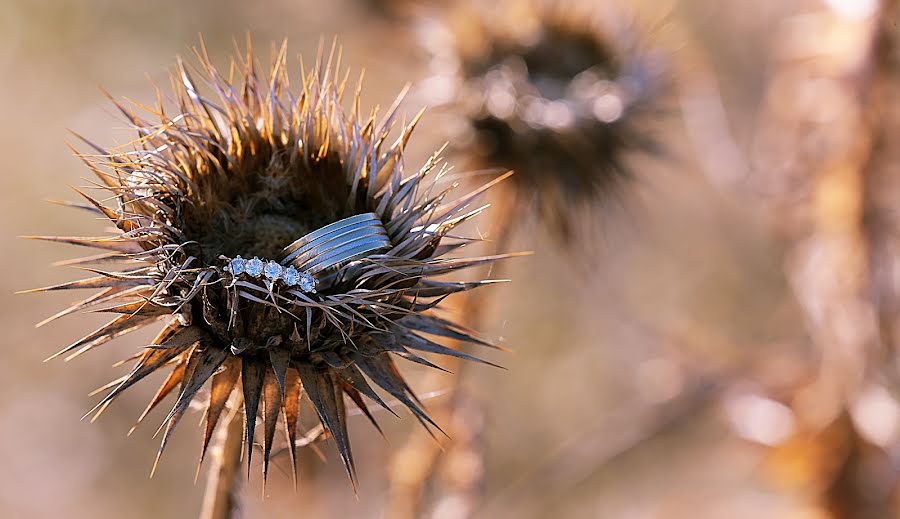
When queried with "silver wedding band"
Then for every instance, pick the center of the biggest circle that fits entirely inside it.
(338, 243)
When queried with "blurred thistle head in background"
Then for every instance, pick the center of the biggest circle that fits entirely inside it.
(559, 92)
(238, 165)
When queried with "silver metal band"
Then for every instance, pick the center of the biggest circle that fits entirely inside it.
(328, 231)
(346, 253)
(338, 243)
(332, 240)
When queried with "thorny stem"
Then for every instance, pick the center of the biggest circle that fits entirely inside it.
(220, 501)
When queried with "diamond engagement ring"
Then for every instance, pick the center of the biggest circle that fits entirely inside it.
(329, 247)
(272, 271)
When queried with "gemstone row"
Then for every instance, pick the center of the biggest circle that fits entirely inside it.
(272, 271)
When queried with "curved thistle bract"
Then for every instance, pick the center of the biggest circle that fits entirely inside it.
(561, 92)
(243, 165)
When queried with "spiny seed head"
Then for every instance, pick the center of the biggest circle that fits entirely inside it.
(239, 165)
(561, 92)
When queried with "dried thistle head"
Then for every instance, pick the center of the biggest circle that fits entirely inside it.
(242, 165)
(561, 92)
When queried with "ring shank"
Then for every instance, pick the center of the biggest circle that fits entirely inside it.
(338, 243)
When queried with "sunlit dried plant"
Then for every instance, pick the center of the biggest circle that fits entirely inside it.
(560, 92)
(238, 164)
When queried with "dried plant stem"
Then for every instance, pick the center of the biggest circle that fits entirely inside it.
(706, 123)
(838, 248)
(415, 465)
(867, 481)
(220, 501)
(881, 183)
(453, 465)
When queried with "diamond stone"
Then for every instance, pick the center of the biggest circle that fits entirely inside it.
(237, 266)
(255, 267)
(307, 282)
(290, 276)
(272, 270)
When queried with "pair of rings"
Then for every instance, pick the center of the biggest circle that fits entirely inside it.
(320, 251)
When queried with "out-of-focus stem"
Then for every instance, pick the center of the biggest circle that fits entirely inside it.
(836, 247)
(220, 501)
(417, 462)
(414, 464)
(882, 184)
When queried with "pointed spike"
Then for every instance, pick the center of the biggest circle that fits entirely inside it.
(326, 394)
(435, 325)
(402, 352)
(142, 307)
(181, 336)
(271, 406)
(383, 372)
(281, 358)
(416, 342)
(457, 204)
(108, 385)
(101, 242)
(131, 358)
(253, 372)
(352, 376)
(75, 205)
(123, 224)
(291, 411)
(174, 378)
(104, 296)
(118, 326)
(93, 282)
(223, 382)
(361, 404)
(202, 364)
(103, 257)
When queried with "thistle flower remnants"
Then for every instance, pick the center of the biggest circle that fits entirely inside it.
(242, 167)
(559, 92)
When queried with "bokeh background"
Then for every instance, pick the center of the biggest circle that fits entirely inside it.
(717, 347)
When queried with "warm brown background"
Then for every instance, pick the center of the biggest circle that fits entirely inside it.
(681, 307)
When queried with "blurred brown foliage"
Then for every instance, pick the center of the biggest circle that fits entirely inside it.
(727, 350)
